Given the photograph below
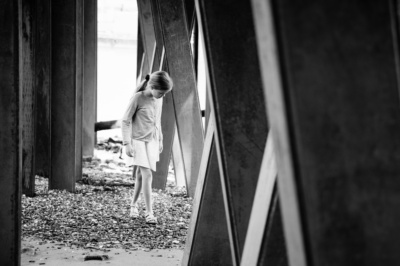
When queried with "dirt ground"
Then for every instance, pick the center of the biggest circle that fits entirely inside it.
(34, 252)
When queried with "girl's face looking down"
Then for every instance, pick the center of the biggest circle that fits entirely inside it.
(158, 93)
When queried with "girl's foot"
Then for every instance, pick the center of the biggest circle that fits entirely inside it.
(150, 219)
(134, 212)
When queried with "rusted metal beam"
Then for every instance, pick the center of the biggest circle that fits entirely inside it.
(335, 114)
(272, 250)
(263, 216)
(66, 98)
(10, 182)
(238, 104)
(186, 102)
(147, 32)
(90, 77)
(42, 83)
(28, 104)
(140, 50)
(168, 117)
(208, 239)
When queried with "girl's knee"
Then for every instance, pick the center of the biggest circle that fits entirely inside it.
(146, 172)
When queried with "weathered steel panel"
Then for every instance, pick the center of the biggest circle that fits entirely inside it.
(42, 83)
(66, 97)
(28, 93)
(147, 32)
(10, 182)
(186, 101)
(90, 77)
(168, 116)
(239, 107)
(210, 238)
(273, 247)
(336, 120)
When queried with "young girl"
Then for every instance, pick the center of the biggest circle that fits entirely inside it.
(142, 136)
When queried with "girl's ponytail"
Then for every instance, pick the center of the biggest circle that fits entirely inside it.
(159, 80)
(143, 84)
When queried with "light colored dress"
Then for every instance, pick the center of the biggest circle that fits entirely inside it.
(141, 126)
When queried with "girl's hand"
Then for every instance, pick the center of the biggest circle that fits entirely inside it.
(128, 150)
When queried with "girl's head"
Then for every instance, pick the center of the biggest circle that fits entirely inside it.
(158, 82)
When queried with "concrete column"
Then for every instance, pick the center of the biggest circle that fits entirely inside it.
(186, 101)
(330, 72)
(66, 99)
(90, 77)
(10, 182)
(42, 83)
(238, 103)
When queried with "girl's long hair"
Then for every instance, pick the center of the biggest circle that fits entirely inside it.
(159, 80)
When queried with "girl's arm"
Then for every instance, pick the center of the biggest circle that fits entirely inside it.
(160, 134)
(127, 119)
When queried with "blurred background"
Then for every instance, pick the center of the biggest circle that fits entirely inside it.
(116, 76)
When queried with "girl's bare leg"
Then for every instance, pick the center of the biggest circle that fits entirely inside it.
(138, 187)
(147, 178)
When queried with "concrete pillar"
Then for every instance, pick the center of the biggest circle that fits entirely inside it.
(66, 99)
(186, 102)
(42, 81)
(28, 93)
(90, 77)
(239, 107)
(333, 102)
(10, 182)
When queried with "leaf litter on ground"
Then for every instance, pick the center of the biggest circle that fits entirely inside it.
(96, 216)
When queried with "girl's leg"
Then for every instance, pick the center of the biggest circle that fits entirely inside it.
(147, 180)
(138, 187)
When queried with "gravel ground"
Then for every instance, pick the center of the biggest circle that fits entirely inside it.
(97, 216)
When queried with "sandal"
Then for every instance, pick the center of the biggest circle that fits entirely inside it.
(150, 219)
(134, 212)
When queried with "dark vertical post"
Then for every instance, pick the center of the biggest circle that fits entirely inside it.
(27, 105)
(10, 182)
(211, 239)
(335, 114)
(158, 36)
(90, 77)
(239, 107)
(147, 24)
(264, 238)
(168, 116)
(66, 95)
(273, 247)
(190, 13)
(140, 50)
(186, 101)
(43, 67)
(79, 87)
